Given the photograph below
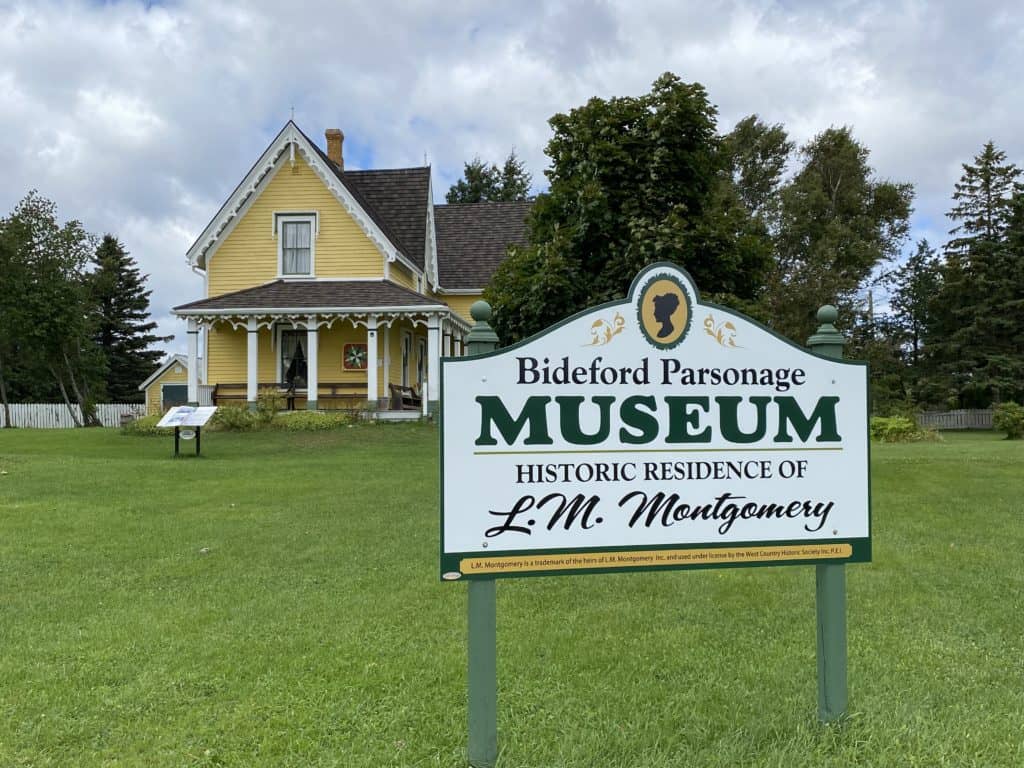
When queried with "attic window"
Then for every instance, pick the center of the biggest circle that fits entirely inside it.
(296, 234)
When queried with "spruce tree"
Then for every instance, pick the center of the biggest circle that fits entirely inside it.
(974, 350)
(485, 183)
(123, 327)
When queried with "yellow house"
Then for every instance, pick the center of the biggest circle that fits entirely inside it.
(337, 287)
(166, 386)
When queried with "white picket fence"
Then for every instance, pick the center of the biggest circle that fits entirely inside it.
(962, 419)
(56, 416)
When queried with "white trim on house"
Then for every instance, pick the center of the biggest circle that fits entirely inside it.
(164, 367)
(288, 140)
(459, 291)
(421, 309)
(430, 247)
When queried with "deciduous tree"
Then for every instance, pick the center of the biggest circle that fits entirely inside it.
(633, 180)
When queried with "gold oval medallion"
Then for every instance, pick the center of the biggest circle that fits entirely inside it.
(664, 311)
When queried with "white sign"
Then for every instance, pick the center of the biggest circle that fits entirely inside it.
(656, 432)
(187, 416)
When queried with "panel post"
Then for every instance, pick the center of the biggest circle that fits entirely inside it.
(483, 612)
(830, 579)
(252, 336)
(312, 363)
(431, 396)
(371, 362)
(193, 362)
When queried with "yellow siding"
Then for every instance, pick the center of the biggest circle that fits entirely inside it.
(400, 274)
(248, 255)
(170, 376)
(461, 304)
(226, 350)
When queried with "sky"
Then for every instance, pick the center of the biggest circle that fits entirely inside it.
(139, 118)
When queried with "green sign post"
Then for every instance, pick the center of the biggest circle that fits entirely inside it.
(483, 611)
(654, 433)
(830, 578)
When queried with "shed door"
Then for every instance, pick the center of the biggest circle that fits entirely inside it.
(172, 395)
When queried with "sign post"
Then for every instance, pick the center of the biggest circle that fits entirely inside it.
(830, 578)
(483, 611)
(655, 433)
(188, 422)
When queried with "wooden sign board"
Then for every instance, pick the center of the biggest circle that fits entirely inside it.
(657, 432)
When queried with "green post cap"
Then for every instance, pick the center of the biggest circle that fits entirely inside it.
(481, 332)
(480, 311)
(827, 339)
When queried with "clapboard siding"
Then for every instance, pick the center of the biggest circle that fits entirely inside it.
(248, 255)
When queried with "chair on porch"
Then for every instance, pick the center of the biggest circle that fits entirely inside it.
(404, 398)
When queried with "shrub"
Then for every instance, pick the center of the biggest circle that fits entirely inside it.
(268, 403)
(314, 421)
(144, 427)
(899, 429)
(233, 418)
(1009, 418)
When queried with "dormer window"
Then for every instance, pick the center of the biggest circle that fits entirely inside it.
(296, 234)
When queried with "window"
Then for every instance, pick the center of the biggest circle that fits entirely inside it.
(296, 234)
(421, 363)
(406, 356)
(293, 358)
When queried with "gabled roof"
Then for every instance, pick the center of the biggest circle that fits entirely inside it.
(313, 295)
(472, 239)
(396, 199)
(171, 360)
(386, 235)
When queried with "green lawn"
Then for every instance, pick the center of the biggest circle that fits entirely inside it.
(314, 630)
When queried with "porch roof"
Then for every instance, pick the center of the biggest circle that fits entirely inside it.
(359, 296)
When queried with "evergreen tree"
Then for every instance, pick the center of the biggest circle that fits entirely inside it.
(975, 343)
(914, 287)
(123, 328)
(483, 183)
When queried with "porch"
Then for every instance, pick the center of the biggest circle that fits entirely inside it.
(314, 346)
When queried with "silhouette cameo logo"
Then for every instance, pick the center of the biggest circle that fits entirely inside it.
(664, 311)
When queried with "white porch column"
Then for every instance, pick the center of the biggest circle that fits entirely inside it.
(312, 363)
(433, 362)
(371, 363)
(252, 362)
(193, 362)
(457, 352)
(387, 364)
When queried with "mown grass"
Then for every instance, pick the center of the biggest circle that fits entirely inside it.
(276, 603)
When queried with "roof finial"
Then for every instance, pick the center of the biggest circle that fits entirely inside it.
(293, 113)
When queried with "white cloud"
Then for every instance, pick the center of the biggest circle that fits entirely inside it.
(140, 121)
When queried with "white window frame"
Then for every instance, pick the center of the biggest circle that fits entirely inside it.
(280, 219)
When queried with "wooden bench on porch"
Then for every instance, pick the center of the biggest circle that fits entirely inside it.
(228, 391)
(354, 392)
(404, 398)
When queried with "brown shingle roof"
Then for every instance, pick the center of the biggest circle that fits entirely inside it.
(472, 239)
(315, 294)
(396, 200)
